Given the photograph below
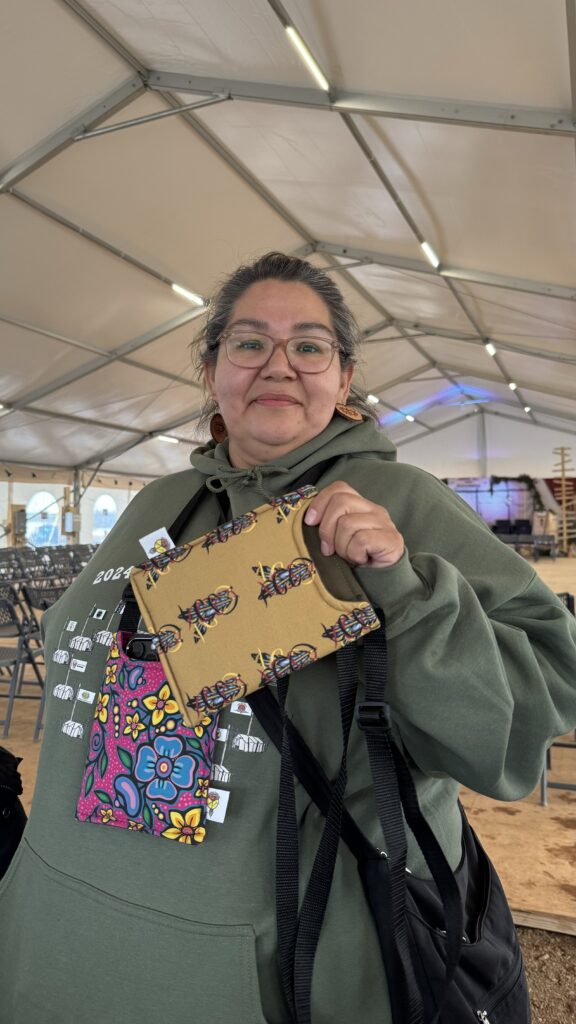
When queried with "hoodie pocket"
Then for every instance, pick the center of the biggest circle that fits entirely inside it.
(71, 953)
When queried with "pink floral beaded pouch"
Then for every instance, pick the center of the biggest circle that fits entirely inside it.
(145, 771)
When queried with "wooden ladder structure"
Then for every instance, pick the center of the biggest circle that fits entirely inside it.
(565, 494)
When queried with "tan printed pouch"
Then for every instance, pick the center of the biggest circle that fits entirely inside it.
(248, 603)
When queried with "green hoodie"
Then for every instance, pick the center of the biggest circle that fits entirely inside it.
(107, 926)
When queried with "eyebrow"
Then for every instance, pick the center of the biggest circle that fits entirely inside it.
(263, 325)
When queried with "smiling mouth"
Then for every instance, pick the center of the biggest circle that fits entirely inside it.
(275, 400)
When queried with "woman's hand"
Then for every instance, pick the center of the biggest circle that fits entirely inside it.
(356, 529)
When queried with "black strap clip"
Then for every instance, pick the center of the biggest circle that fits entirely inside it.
(373, 716)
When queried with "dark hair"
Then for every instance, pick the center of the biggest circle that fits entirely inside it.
(279, 267)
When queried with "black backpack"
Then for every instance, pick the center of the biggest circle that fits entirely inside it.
(12, 813)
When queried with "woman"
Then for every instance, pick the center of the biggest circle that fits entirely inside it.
(106, 924)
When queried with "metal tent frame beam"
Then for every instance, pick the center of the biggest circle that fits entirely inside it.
(368, 257)
(436, 429)
(112, 453)
(89, 236)
(537, 410)
(485, 412)
(463, 371)
(537, 424)
(433, 331)
(104, 357)
(64, 137)
(71, 469)
(409, 375)
(54, 414)
(539, 121)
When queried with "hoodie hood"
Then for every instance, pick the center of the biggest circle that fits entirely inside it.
(249, 487)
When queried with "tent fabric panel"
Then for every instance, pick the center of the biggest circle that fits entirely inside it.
(552, 349)
(516, 448)
(515, 314)
(381, 363)
(543, 373)
(243, 39)
(568, 426)
(518, 367)
(557, 405)
(155, 458)
(492, 389)
(55, 279)
(125, 187)
(456, 450)
(411, 296)
(365, 311)
(126, 396)
(53, 68)
(310, 162)
(29, 360)
(447, 43)
(173, 351)
(441, 414)
(30, 437)
(415, 396)
(447, 49)
(469, 191)
(430, 417)
(446, 352)
(451, 452)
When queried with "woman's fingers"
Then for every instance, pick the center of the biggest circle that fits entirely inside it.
(361, 542)
(356, 529)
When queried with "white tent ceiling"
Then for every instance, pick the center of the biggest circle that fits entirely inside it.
(451, 122)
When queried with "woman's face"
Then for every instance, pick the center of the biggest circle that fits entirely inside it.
(270, 410)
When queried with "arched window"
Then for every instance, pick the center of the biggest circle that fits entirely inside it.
(104, 516)
(43, 519)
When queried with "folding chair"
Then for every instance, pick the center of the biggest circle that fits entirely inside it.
(81, 555)
(11, 592)
(15, 657)
(9, 566)
(34, 564)
(43, 593)
(61, 563)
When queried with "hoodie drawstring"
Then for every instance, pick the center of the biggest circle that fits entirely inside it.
(228, 476)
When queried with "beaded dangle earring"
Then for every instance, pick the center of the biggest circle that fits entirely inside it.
(218, 430)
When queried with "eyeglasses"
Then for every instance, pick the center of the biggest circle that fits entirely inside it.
(305, 353)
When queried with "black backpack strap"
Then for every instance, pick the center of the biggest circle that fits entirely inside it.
(308, 770)
(298, 934)
(395, 793)
(320, 882)
(287, 856)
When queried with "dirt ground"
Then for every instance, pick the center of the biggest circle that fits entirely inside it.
(550, 961)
